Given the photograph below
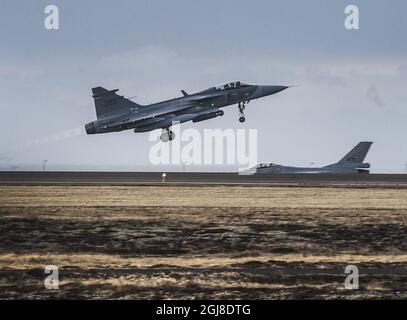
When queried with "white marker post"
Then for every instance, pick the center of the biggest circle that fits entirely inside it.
(163, 176)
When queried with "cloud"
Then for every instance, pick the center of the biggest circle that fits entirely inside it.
(159, 62)
(20, 70)
(402, 71)
(325, 77)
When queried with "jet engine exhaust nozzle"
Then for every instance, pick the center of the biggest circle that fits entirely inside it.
(90, 128)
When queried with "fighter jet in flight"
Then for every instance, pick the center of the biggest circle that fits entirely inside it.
(116, 113)
(351, 163)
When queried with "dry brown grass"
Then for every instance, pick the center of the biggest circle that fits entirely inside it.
(203, 196)
(140, 229)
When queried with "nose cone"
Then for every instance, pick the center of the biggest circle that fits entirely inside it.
(268, 90)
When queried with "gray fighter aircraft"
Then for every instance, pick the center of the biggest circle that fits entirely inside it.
(351, 163)
(116, 113)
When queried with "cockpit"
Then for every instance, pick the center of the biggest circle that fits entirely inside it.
(267, 165)
(231, 85)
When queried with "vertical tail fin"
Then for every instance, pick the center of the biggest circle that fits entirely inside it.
(357, 154)
(108, 102)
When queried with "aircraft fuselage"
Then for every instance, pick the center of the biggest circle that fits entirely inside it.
(116, 113)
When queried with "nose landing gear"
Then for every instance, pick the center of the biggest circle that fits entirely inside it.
(167, 135)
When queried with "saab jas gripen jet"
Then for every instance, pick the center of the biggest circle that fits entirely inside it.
(116, 113)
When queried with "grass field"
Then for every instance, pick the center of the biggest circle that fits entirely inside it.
(202, 242)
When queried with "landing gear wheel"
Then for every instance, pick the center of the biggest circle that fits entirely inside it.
(242, 106)
(167, 135)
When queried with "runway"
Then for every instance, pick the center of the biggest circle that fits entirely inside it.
(199, 179)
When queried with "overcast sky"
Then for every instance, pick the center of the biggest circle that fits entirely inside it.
(351, 84)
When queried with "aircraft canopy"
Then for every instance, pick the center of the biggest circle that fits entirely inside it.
(267, 165)
(231, 85)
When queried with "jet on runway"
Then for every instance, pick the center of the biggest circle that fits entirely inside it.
(351, 163)
(116, 113)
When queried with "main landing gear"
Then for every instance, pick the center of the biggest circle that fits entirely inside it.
(242, 107)
(167, 135)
